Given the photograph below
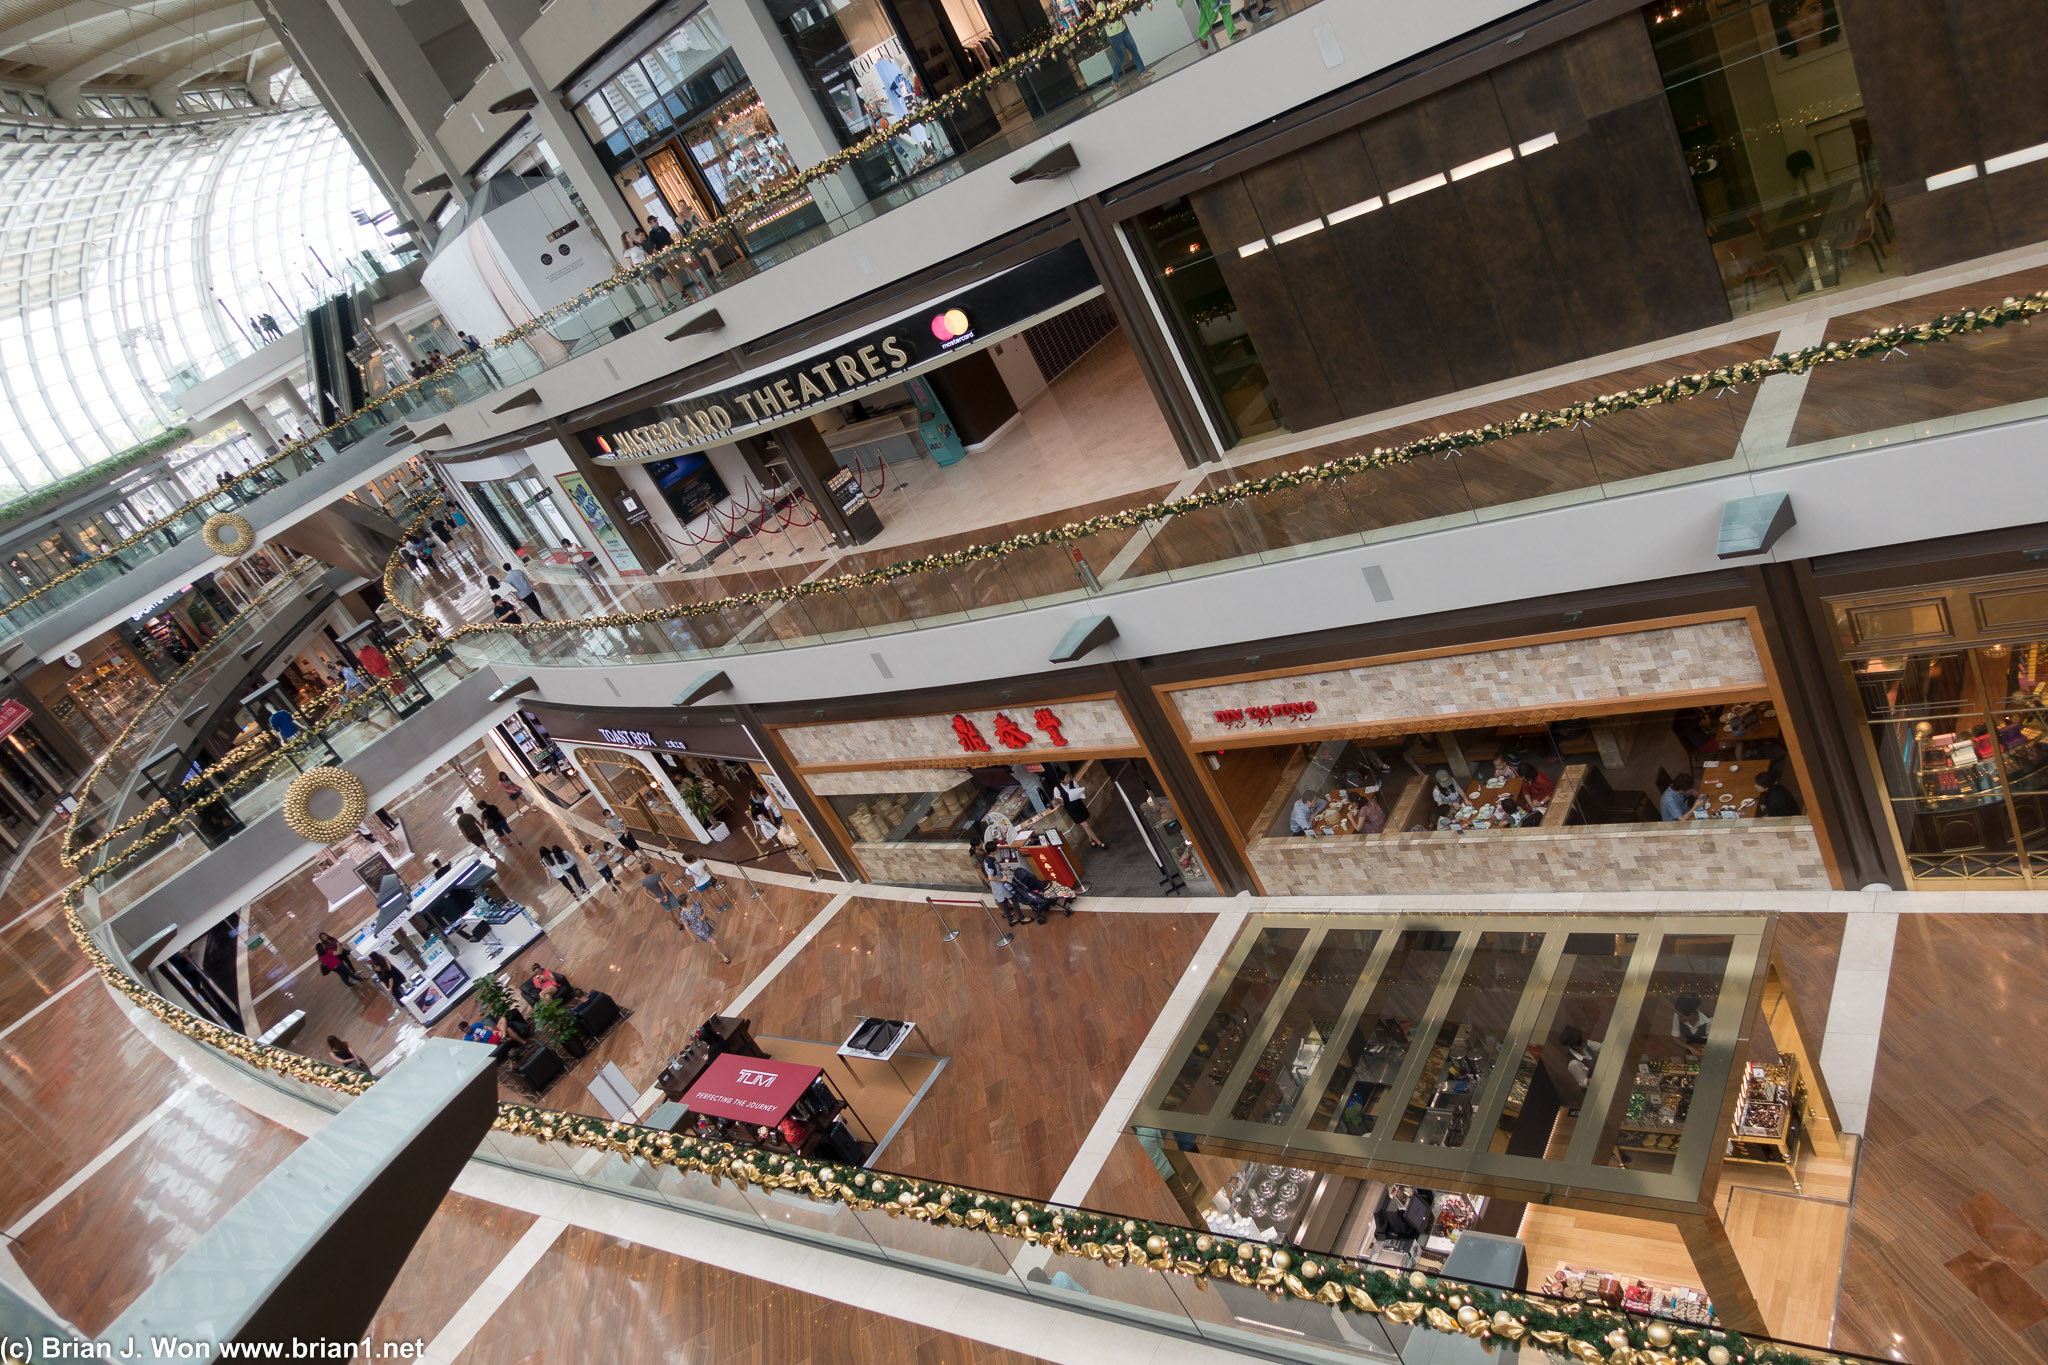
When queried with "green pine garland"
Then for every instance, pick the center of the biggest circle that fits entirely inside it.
(14, 509)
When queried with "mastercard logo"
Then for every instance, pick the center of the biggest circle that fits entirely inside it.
(950, 324)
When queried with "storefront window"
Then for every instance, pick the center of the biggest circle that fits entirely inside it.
(687, 139)
(1372, 1058)
(864, 74)
(524, 511)
(1208, 1066)
(1348, 788)
(1662, 1062)
(1771, 119)
(1469, 1041)
(1198, 303)
(1567, 1042)
(1296, 1046)
(1961, 739)
(947, 815)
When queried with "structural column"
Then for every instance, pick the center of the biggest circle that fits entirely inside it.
(245, 418)
(501, 23)
(406, 77)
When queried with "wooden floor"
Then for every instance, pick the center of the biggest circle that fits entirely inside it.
(1948, 1241)
(463, 1243)
(593, 1295)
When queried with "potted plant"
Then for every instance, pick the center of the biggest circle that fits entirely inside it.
(702, 799)
(558, 1025)
(493, 1001)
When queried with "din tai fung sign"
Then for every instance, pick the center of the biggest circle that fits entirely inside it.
(1262, 716)
(849, 368)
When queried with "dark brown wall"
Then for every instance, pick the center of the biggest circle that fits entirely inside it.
(974, 396)
(1588, 246)
(1948, 83)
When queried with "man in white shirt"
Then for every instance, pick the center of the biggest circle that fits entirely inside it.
(1305, 808)
(518, 582)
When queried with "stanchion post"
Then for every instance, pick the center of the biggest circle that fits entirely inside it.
(1007, 937)
(951, 932)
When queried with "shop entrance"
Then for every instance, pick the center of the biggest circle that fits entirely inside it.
(1148, 852)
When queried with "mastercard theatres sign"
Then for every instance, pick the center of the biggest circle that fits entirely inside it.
(828, 378)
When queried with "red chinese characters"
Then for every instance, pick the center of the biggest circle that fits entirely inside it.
(1009, 734)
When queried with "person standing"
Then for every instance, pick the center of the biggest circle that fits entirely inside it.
(585, 562)
(636, 256)
(388, 976)
(513, 792)
(522, 586)
(651, 883)
(346, 1055)
(476, 348)
(601, 859)
(619, 831)
(1074, 797)
(1122, 46)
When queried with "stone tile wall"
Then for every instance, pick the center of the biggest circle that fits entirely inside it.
(1564, 673)
(1082, 724)
(1717, 855)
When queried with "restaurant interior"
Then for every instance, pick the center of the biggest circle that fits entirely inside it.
(1627, 1096)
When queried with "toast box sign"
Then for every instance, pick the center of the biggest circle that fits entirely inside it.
(757, 1090)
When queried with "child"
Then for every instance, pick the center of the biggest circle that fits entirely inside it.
(602, 862)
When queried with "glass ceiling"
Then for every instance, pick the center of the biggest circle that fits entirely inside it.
(131, 262)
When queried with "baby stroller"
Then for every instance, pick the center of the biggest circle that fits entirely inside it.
(1031, 896)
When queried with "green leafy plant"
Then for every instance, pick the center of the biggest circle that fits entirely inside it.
(15, 508)
(702, 799)
(493, 1001)
(557, 1024)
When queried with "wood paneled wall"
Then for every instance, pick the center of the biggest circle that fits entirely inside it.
(1947, 84)
(1593, 244)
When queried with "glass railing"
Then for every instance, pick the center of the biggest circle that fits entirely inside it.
(110, 780)
(294, 462)
(1880, 387)
(1278, 1300)
(1054, 92)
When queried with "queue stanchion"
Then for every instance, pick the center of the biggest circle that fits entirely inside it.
(933, 903)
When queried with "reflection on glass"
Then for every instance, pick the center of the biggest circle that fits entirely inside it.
(1348, 788)
(1215, 1054)
(948, 812)
(1663, 1058)
(1770, 118)
(1558, 1065)
(1276, 1082)
(1468, 1042)
(1372, 1055)
(1192, 291)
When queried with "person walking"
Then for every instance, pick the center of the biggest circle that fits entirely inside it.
(522, 586)
(472, 831)
(566, 861)
(476, 348)
(585, 562)
(689, 916)
(513, 792)
(1122, 46)
(496, 823)
(630, 247)
(703, 883)
(334, 961)
(504, 613)
(562, 867)
(658, 890)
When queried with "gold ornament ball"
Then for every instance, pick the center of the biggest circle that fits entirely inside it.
(1204, 1242)
(1155, 1245)
(1467, 1315)
(298, 798)
(1418, 1280)
(1618, 1339)
(1718, 1355)
(906, 1199)
(1454, 1300)
(1281, 1260)
(1503, 1318)
(1246, 1251)
(1658, 1333)
(1130, 1229)
(1023, 1218)
(1309, 1270)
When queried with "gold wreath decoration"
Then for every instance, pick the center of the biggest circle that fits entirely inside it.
(245, 534)
(355, 804)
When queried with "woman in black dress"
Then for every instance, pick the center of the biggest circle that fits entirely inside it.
(1074, 797)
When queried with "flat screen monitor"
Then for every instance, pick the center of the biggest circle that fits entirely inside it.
(450, 978)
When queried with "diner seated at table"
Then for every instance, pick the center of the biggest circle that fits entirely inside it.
(1536, 785)
(1772, 799)
(1301, 821)
(1447, 792)
(1677, 801)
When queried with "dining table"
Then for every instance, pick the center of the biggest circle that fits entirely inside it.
(1727, 790)
(1746, 724)
(1343, 813)
(1482, 802)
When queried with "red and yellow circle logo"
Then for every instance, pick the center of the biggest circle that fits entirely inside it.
(950, 324)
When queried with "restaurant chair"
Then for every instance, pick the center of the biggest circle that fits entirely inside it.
(1858, 228)
(1739, 267)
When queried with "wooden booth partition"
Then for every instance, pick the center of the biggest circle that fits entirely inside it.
(1606, 716)
(906, 794)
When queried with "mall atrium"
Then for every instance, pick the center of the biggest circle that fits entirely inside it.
(976, 681)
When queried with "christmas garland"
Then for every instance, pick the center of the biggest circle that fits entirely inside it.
(35, 499)
(1883, 342)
